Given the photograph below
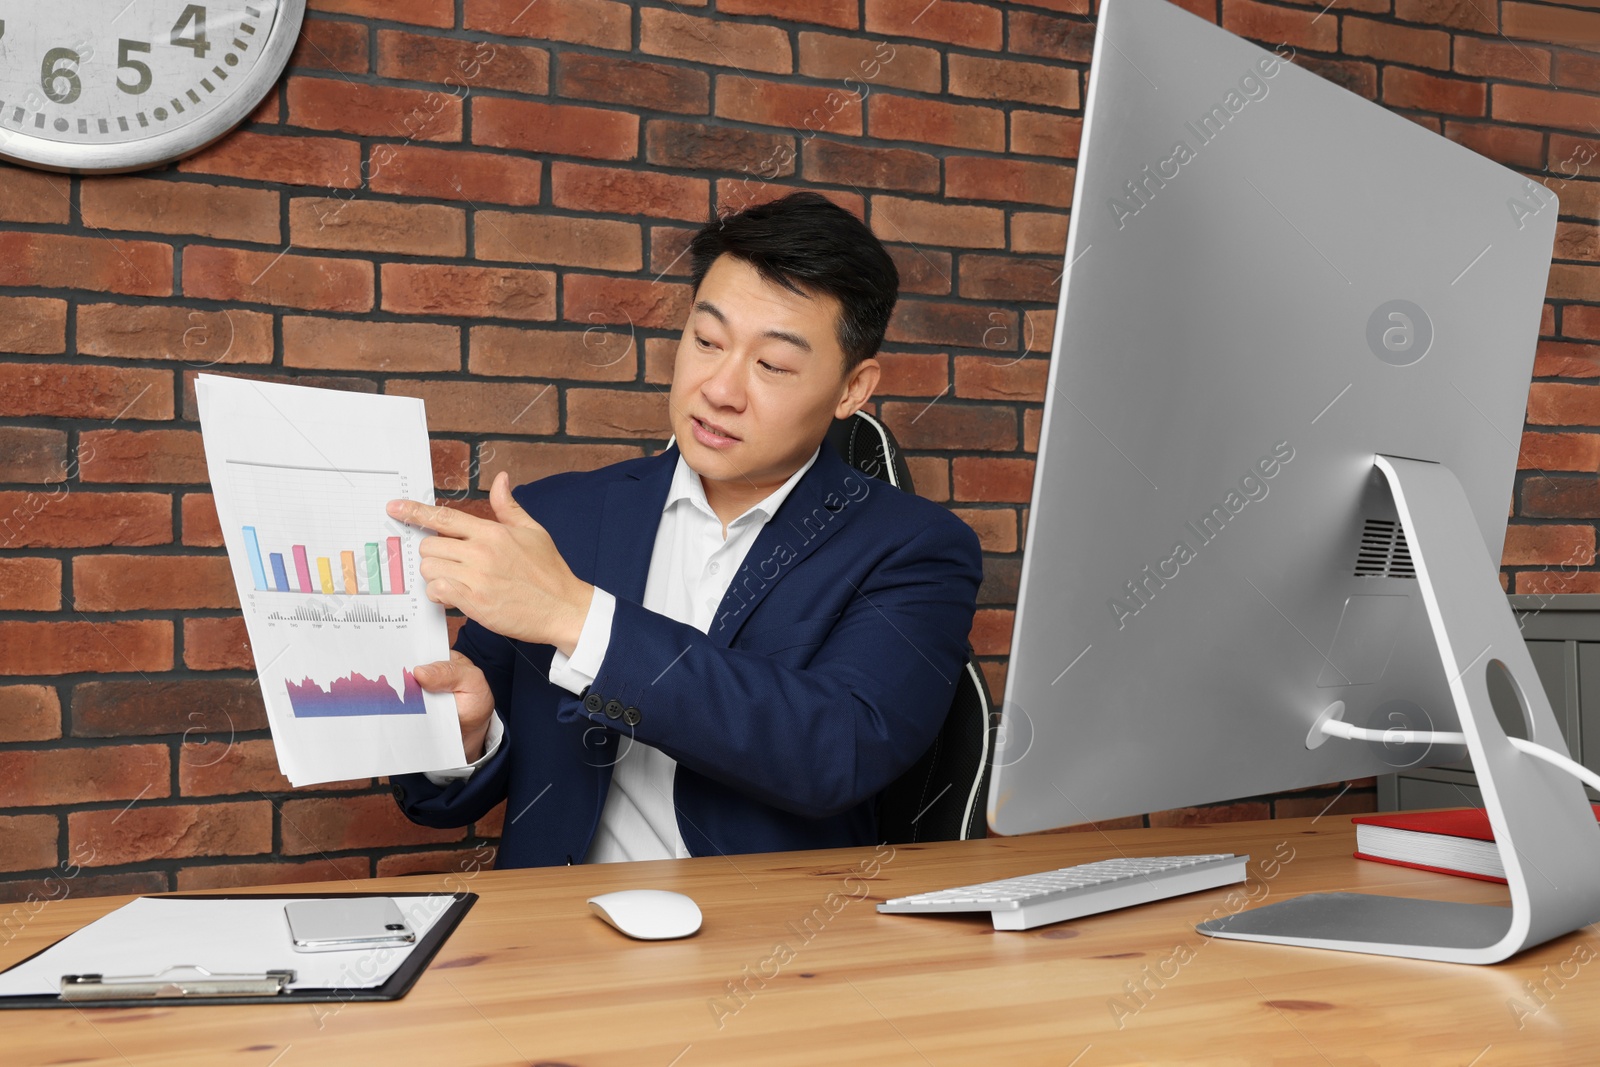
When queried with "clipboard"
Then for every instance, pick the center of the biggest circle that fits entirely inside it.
(182, 984)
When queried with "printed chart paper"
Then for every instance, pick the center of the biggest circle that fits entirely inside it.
(327, 581)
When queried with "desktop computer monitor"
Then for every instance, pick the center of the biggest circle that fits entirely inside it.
(1292, 356)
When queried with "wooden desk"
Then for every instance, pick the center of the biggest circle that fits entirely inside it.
(794, 966)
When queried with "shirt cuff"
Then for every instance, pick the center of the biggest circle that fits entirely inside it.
(576, 672)
(491, 745)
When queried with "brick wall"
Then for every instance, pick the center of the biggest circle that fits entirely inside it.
(484, 203)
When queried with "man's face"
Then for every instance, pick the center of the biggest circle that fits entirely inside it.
(762, 365)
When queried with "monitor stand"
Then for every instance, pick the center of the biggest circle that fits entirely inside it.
(1546, 832)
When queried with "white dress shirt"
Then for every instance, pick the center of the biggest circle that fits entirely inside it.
(690, 569)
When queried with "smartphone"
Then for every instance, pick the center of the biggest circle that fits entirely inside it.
(329, 924)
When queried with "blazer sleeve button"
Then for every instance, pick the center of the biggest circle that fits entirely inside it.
(631, 715)
(592, 702)
(613, 709)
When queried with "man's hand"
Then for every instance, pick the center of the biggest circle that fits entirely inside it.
(474, 701)
(504, 573)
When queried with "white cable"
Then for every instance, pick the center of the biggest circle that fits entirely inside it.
(1396, 736)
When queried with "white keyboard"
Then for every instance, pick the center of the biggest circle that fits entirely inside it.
(1052, 896)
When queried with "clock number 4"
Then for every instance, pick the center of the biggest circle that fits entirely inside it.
(193, 15)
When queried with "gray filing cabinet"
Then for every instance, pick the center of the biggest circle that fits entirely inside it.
(1563, 635)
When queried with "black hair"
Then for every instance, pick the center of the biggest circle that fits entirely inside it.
(807, 244)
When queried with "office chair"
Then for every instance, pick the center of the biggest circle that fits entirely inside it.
(944, 795)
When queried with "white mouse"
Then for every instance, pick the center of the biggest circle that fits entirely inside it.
(648, 914)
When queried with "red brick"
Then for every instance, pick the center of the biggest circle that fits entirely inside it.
(85, 885)
(1557, 25)
(84, 392)
(155, 331)
(1033, 34)
(1560, 359)
(840, 13)
(746, 45)
(171, 831)
(863, 65)
(977, 178)
(554, 129)
(82, 775)
(33, 454)
(637, 301)
(626, 192)
(209, 714)
(1574, 70)
(452, 464)
(842, 163)
(927, 222)
(931, 475)
(942, 424)
(451, 174)
(345, 344)
(327, 45)
(457, 862)
(1037, 232)
(1577, 240)
(326, 161)
(234, 875)
(594, 354)
(374, 110)
(984, 478)
(1571, 282)
(669, 250)
(912, 374)
(331, 824)
(1427, 92)
(922, 270)
(991, 632)
(141, 456)
(84, 647)
(1268, 23)
(1034, 133)
(1578, 321)
(528, 461)
(1562, 580)
(216, 645)
(1558, 497)
(902, 118)
(1038, 330)
(484, 407)
(62, 519)
(1011, 277)
(33, 325)
(1358, 77)
(1560, 404)
(32, 196)
(1499, 59)
(29, 585)
(225, 212)
(610, 80)
(456, 62)
(1507, 145)
(1571, 157)
(617, 413)
(1560, 452)
(468, 292)
(521, 237)
(1544, 107)
(377, 226)
(660, 353)
(931, 322)
(1382, 40)
(1528, 545)
(986, 378)
(29, 713)
(809, 109)
(439, 13)
(199, 518)
(28, 842)
(60, 261)
(699, 146)
(1009, 80)
(950, 21)
(284, 279)
(133, 583)
(601, 23)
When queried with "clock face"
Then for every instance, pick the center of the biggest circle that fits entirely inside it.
(121, 84)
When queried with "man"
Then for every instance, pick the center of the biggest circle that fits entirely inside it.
(732, 646)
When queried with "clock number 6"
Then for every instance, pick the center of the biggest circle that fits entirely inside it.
(125, 62)
(195, 14)
(51, 71)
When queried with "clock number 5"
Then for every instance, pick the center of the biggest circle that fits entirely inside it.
(125, 62)
(192, 14)
(51, 71)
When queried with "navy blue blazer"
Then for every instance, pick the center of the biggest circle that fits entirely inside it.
(826, 672)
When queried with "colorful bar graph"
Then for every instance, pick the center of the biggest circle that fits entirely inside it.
(258, 573)
(302, 569)
(397, 580)
(280, 577)
(375, 568)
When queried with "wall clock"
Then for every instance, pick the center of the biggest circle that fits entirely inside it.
(113, 85)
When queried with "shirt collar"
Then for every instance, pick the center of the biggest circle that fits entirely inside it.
(686, 485)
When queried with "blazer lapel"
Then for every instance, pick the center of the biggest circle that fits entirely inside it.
(629, 517)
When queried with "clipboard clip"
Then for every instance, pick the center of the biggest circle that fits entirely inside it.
(184, 980)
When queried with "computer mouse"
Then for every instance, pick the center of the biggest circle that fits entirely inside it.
(648, 914)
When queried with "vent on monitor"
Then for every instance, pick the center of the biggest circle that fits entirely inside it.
(1383, 552)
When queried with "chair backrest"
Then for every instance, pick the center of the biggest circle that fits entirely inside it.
(943, 797)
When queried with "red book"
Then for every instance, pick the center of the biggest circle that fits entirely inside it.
(1458, 841)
